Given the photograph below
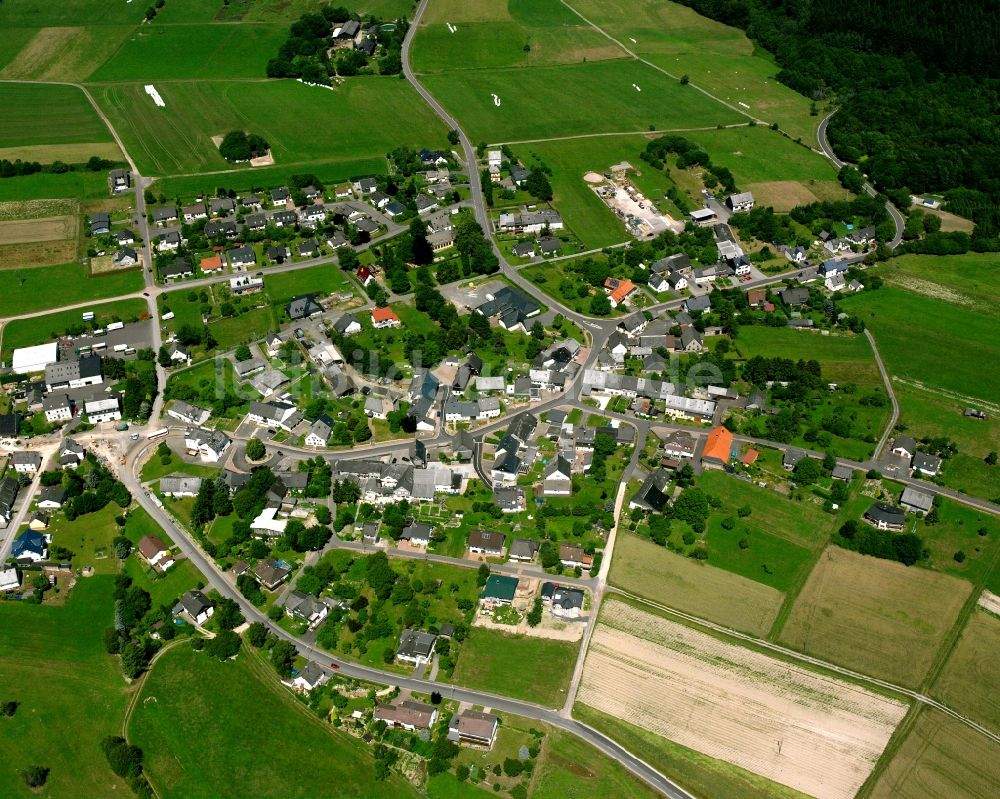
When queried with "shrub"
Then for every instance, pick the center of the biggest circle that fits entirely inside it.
(35, 776)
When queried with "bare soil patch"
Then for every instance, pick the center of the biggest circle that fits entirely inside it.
(875, 616)
(951, 222)
(790, 725)
(264, 160)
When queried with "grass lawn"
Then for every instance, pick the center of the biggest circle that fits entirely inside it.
(494, 661)
(27, 290)
(89, 537)
(40, 329)
(971, 280)
(651, 571)
(301, 123)
(234, 330)
(940, 757)
(189, 698)
(153, 469)
(163, 51)
(874, 616)
(75, 697)
(562, 284)
(898, 318)
(718, 58)
(549, 101)
(698, 773)
(323, 279)
(39, 114)
(768, 558)
(164, 589)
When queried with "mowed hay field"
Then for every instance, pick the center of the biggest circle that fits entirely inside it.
(492, 34)
(48, 115)
(719, 59)
(365, 117)
(38, 232)
(931, 340)
(875, 616)
(970, 681)
(736, 705)
(268, 744)
(653, 572)
(941, 758)
(52, 228)
(69, 53)
(554, 101)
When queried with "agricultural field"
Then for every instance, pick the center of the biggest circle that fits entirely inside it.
(876, 616)
(164, 51)
(960, 529)
(76, 688)
(719, 59)
(734, 704)
(58, 116)
(650, 571)
(189, 698)
(494, 661)
(28, 290)
(301, 123)
(940, 757)
(521, 33)
(900, 317)
(41, 329)
(48, 185)
(970, 681)
(553, 101)
(66, 52)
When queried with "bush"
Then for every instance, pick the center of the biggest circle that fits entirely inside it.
(744, 543)
(256, 634)
(35, 776)
(8, 708)
(255, 449)
(125, 760)
(224, 646)
(960, 556)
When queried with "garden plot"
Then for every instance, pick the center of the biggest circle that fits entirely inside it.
(810, 732)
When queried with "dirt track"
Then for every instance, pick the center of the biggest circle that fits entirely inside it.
(812, 733)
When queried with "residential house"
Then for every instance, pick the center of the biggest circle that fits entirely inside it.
(384, 317)
(510, 500)
(306, 607)
(125, 257)
(791, 458)
(701, 303)
(242, 258)
(210, 445)
(523, 549)
(310, 677)
(26, 462)
(406, 714)
(738, 203)
(103, 408)
(280, 197)
(679, 445)
(794, 297)
(488, 543)
(528, 222)
(573, 557)
(842, 472)
(304, 307)
(119, 180)
(164, 214)
(651, 494)
(156, 553)
(51, 497)
(169, 241)
(320, 431)
(211, 264)
(278, 253)
(269, 574)
(180, 485)
(558, 479)
(347, 325)
(308, 248)
(275, 412)
(100, 223)
(566, 602)
(30, 545)
(885, 517)
(416, 647)
(416, 534)
(9, 488)
(904, 446)
(718, 448)
(474, 727)
(498, 591)
(926, 464)
(511, 306)
(188, 413)
(523, 249)
(195, 605)
(618, 290)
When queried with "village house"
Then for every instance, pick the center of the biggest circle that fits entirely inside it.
(156, 553)
(485, 542)
(416, 647)
(474, 727)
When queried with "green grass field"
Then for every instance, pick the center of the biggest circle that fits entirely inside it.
(89, 538)
(970, 680)
(553, 101)
(160, 52)
(970, 281)
(945, 332)
(273, 745)
(70, 693)
(301, 123)
(65, 52)
(12, 41)
(27, 290)
(324, 279)
(719, 59)
(80, 12)
(844, 359)
(40, 329)
(37, 114)
(494, 661)
(48, 186)
(489, 37)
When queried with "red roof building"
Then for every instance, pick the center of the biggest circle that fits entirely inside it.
(718, 448)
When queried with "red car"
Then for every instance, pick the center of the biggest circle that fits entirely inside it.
(335, 666)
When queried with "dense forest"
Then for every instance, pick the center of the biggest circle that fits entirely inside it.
(917, 83)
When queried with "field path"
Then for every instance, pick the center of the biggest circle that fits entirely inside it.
(646, 132)
(640, 59)
(795, 655)
(894, 416)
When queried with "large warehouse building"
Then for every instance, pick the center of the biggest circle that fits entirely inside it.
(28, 360)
